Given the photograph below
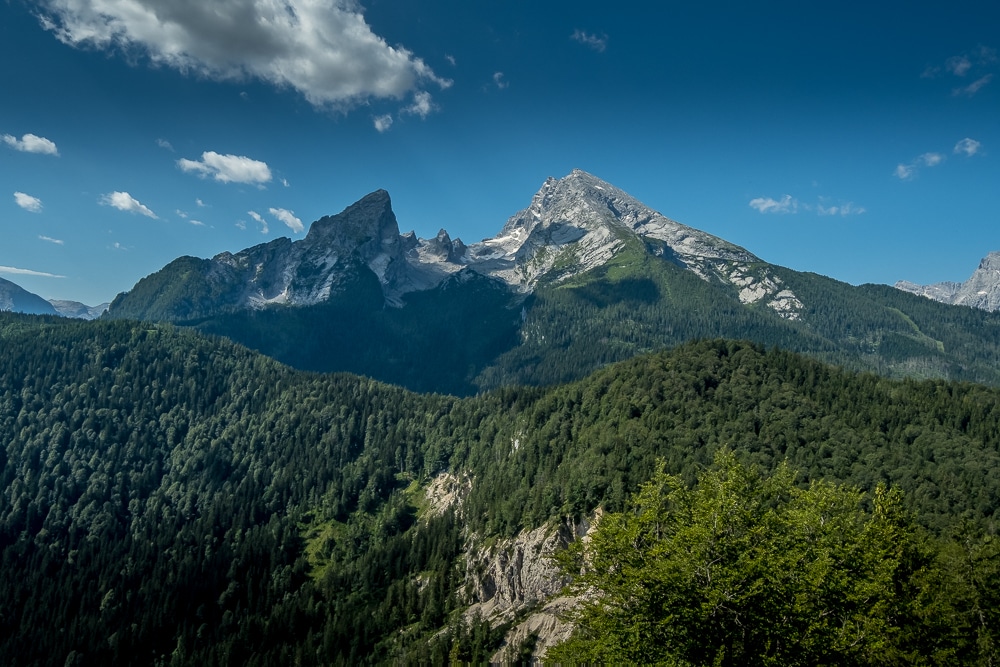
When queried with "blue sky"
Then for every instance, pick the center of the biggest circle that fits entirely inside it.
(857, 140)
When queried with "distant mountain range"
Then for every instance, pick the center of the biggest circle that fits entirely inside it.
(16, 299)
(981, 290)
(584, 276)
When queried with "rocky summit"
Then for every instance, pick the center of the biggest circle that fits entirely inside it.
(981, 290)
(572, 226)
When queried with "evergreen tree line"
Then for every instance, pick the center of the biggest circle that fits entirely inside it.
(171, 498)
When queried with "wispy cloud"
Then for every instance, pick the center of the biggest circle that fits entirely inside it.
(383, 122)
(163, 143)
(324, 50)
(597, 42)
(196, 223)
(843, 210)
(12, 270)
(260, 221)
(228, 168)
(973, 87)
(968, 147)
(49, 239)
(787, 204)
(980, 63)
(27, 202)
(123, 201)
(31, 143)
(908, 171)
(499, 81)
(288, 217)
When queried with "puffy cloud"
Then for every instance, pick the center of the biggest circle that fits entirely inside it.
(968, 146)
(323, 49)
(422, 105)
(27, 202)
(597, 43)
(383, 123)
(260, 221)
(768, 205)
(228, 168)
(123, 201)
(288, 217)
(31, 143)
(27, 272)
(49, 239)
(931, 159)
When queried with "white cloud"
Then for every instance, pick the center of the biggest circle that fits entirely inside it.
(27, 202)
(196, 223)
(288, 217)
(422, 104)
(284, 181)
(163, 143)
(958, 65)
(228, 168)
(323, 49)
(968, 146)
(241, 224)
(908, 171)
(973, 87)
(383, 123)
(450, 59)
(843, 210)
(498, 80)
(260, 220)
(768, 205)
(123, 201)
(931, 159)
(49, 239)
(199, 203)
(904, 172)
(31, 143)
(597, 43)
(27, 272)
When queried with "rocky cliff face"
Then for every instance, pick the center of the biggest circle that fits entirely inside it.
(981, 290)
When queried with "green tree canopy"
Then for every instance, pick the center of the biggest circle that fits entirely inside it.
(748, 570)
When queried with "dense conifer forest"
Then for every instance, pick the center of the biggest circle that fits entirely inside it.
(174, 498)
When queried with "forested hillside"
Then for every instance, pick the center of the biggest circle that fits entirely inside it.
(170, 498)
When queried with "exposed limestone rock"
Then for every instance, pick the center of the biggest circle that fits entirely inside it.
(446, 491)
(507, 578)
(981, 290)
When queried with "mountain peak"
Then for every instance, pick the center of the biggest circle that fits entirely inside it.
(981, 290)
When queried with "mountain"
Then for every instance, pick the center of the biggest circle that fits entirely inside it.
(78, 310)
(174, 498)
(573, 225)
(981, 290)
(14, 298)
(584, 276)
